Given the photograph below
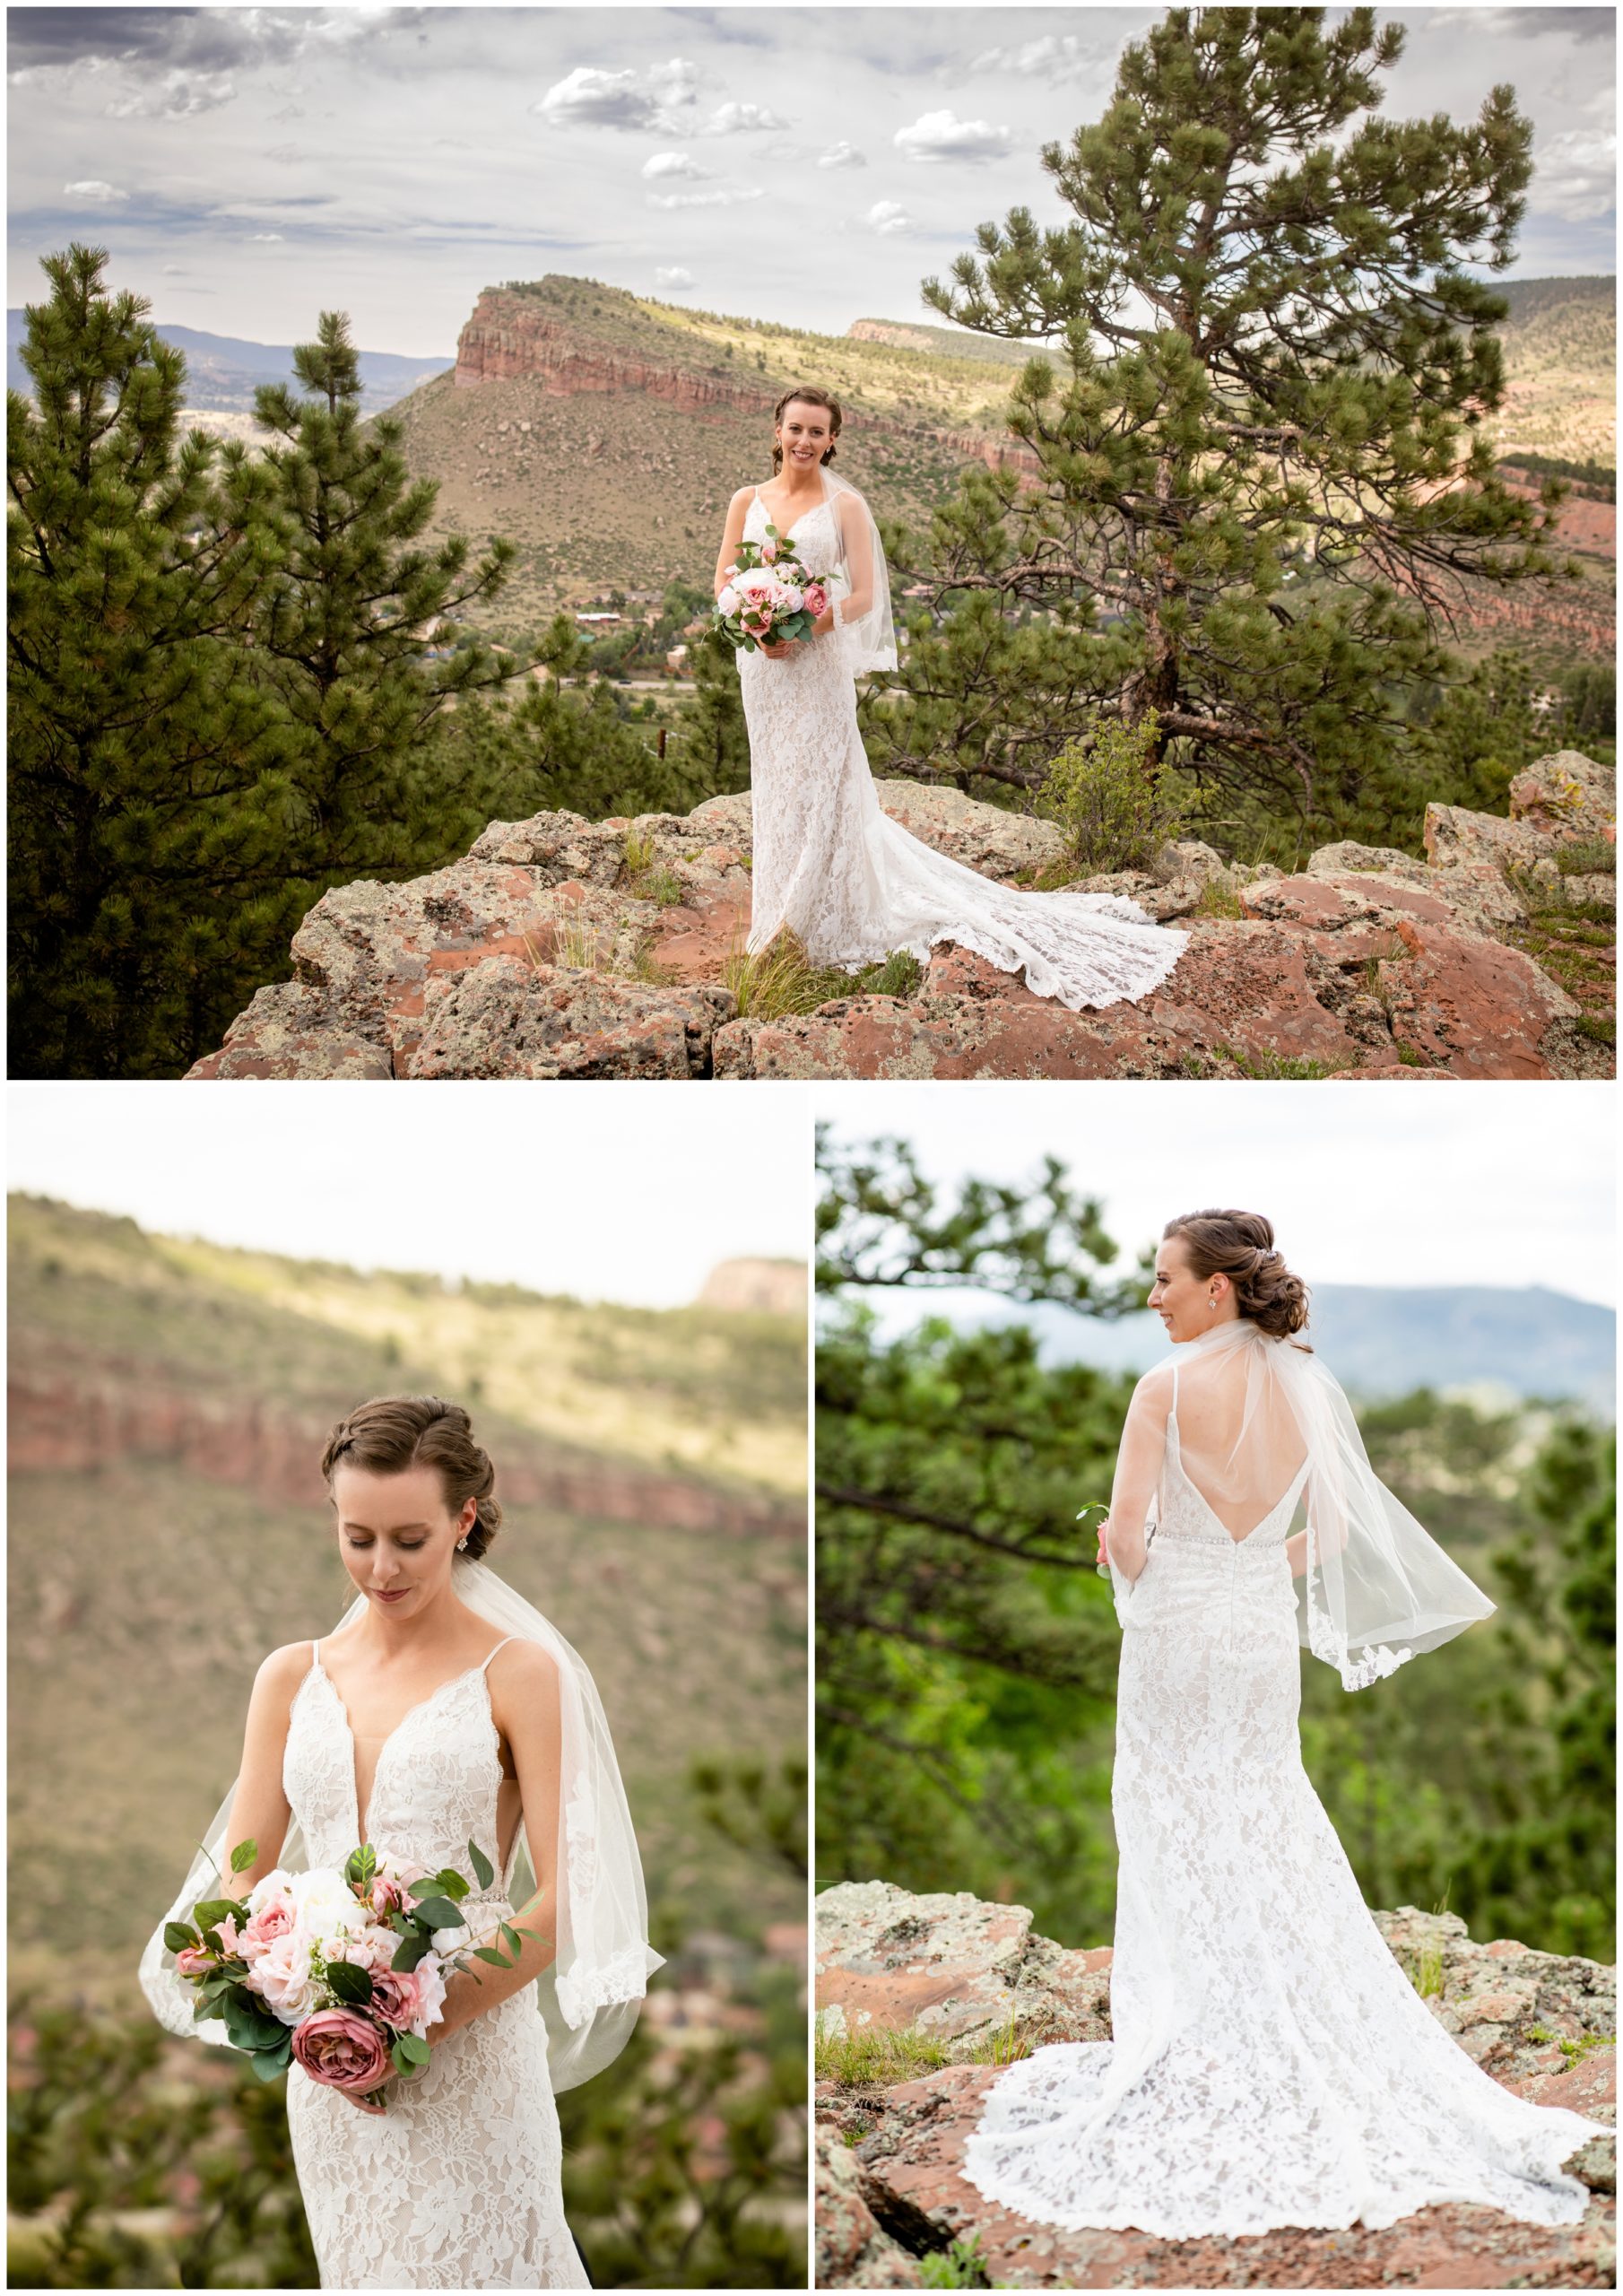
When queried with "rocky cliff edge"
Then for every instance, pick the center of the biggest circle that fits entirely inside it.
(970, 1982)
(563, 947)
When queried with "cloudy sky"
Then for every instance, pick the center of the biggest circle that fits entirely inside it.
(630, 1193)
(1495, 1184)
(249, 167)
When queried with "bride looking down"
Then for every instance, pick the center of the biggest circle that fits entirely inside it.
(830, 865)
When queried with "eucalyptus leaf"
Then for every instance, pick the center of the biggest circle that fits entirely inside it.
(267, 2063)
(450, 1883)
(482, 1867)
(178, 1935)
(243, 1855)
(509, 1938)
(490, 1953)
(439, 1913)
(350, 1984)
(409, 1952)
(414, 2051)
(398, 2058)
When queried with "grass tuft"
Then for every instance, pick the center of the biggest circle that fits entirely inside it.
(1219, 899)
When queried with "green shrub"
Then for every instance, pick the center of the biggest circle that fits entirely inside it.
(1108, 800)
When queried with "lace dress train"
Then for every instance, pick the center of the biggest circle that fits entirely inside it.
(459, 2184)
(1271, 2066)
(831, 866)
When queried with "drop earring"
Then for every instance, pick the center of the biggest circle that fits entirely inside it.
(462, 1543)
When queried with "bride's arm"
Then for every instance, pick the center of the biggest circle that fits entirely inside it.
(859, 563)
(259, 1808)
(737, 510)
(525, 1704)
(1138, 1474)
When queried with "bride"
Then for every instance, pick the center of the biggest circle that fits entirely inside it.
(1271, 2064)
(829, 864)
(444, 1710)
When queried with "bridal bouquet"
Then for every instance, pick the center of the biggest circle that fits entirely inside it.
(768, 596)
(342, 1970)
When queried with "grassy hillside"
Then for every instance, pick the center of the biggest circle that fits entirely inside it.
(716, 1394)
(603, 490)
(143, 1590)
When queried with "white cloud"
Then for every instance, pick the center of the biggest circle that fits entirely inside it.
(673, 163)
(91, 193)
(672, 275)
(942, 135)
(177, 96)
(885, 217)
(841, 155)
(265, 238)
(723, 196)
(1575, 175)
(738, 119)
(662, 98)
(1056, 57)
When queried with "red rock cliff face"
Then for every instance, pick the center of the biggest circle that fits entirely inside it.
(71, 1413)
(512, 335)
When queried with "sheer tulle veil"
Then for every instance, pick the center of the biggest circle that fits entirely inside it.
(1378, 1589)
(590, 1995)
(869, 637)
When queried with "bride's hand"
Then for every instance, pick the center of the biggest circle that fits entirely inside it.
(777, 650)
(1104, 1554)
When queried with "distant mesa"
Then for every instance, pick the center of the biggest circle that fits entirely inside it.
(756, 1287)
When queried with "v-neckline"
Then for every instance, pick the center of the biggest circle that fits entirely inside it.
(784, 532)
(1288, 1493)
(349, 1731)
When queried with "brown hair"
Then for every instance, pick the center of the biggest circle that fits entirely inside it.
(1239, 1245)
(811, 397)
(394, 1432)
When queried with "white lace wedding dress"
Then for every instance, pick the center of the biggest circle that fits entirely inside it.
(854, 885)
(458, 2185)
(1272, 2064)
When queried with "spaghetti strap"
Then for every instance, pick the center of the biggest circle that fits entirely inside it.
(500, 1647)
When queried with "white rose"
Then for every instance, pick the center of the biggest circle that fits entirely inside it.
(325, 1907)
(728, 600)
(272, 1886)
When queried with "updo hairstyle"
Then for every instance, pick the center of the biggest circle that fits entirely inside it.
(1239, 1245)
(394, 1432)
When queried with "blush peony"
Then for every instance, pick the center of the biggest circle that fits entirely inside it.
(343, 2049)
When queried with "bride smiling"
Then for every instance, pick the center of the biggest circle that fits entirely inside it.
(829, 864)
(444, 1711)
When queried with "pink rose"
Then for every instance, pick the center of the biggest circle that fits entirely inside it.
(195, 1961)
(397, 1998)
(769, 551)
(430, 1991)
(274, 1919)
(817, 597)
(230, 1936)
(343, 2049)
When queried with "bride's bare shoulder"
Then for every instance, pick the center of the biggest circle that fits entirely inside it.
(282, 1672)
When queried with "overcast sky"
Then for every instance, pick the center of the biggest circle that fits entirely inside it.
(629, 1192)
(251, 167)
(1407, 1184)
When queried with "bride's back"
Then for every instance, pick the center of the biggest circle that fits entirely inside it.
(1237, 1440)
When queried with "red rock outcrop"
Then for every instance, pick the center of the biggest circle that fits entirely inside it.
(962, 1973)
(542, 954)
(72, 1412)
(508, 334)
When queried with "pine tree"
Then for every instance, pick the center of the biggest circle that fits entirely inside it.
(1247, 509)
(356, 635)
(150, 886)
